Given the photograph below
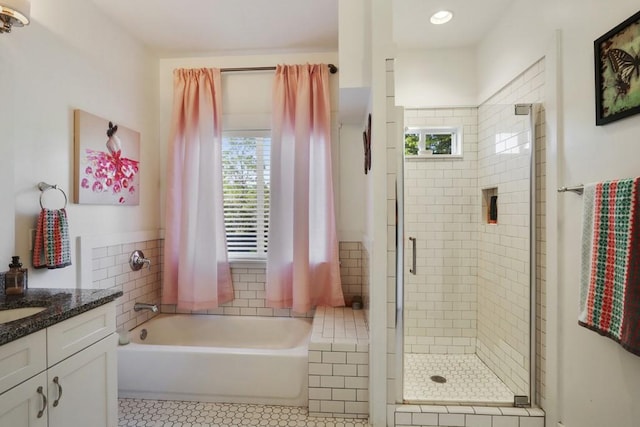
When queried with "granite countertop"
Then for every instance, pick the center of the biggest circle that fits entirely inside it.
(61, 304)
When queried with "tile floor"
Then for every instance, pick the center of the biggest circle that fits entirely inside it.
(168, 413)
(469, 381)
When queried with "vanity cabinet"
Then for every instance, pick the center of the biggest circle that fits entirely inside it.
(75, 387)
(21, 405)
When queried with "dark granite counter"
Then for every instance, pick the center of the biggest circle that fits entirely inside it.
(61, 304)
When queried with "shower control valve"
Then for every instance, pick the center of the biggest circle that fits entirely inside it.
(137, 260)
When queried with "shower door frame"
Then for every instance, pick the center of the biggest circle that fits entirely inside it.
(531, 111)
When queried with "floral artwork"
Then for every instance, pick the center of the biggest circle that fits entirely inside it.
(107, 162)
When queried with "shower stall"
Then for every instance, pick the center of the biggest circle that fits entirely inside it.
(467, 288)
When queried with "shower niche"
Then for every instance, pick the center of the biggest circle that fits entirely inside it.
(490, 205)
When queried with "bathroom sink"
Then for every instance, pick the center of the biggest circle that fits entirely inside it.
(18, 313)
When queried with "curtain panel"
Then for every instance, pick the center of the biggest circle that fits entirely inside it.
(196, 268)
(302, 259)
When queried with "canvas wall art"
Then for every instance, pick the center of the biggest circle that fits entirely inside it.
(107, 161)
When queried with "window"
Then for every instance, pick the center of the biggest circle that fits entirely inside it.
(245, 177)
(434, 141)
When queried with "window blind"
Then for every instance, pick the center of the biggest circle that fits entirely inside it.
(245, 169)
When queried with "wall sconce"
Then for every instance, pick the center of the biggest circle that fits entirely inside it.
(13, 13)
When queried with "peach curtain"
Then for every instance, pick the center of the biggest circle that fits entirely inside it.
(302, 259)
(196, 268)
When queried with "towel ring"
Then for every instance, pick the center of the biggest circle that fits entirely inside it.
(43, 186)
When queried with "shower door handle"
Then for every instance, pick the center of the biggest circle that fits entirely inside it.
(413, 262)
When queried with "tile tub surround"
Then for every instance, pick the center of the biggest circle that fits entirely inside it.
(339, 364)
(110, 270)
(351, 270)
(61, 304)
(467, 416)
(249, 286)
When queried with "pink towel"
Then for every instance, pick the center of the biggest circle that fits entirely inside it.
(51, 246)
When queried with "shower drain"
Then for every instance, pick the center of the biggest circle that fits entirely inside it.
(438, 379)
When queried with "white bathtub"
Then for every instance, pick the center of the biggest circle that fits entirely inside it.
(207, 358)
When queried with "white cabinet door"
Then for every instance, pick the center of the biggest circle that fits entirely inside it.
(24, 405)
(83, 388)
(22, 359)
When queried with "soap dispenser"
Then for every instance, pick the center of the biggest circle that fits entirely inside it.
(15, 280)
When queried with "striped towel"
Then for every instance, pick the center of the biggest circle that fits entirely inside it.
(51, 246)
(610, 282)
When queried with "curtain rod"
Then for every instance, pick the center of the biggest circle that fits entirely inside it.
(332, 69)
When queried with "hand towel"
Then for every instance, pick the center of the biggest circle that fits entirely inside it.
(610, 276)
(51, 246)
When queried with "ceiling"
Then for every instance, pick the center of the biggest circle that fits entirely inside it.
(231, 26)
(472, 19)
(184, 27)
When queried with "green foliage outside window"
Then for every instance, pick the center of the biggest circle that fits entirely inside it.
(411, 144)
(438, 143)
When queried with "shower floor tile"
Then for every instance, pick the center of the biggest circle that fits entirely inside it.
(168, 413)
(468, 380)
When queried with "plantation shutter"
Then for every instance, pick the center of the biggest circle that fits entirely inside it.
(245, 163)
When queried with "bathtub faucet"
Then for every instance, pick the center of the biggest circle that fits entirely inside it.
(143, 306)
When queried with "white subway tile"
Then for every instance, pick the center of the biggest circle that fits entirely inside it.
(356, 382)
(343, 394)
(505, 421)
(320, 369)
(332, 382)
(419, 419)
(531, 421)
(331, 406)
(334, 357)
(478, 421)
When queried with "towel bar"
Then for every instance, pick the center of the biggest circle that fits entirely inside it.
(578, 189)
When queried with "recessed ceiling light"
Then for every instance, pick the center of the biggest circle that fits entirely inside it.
(441, 17)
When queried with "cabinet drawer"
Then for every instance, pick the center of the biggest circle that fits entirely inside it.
(79, 332)
(23, 358)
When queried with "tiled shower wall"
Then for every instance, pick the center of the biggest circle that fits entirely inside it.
(503, 269)
(541, 254)
(111, 269)
(441, 212)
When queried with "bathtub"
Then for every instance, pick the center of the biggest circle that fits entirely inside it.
(208, 358)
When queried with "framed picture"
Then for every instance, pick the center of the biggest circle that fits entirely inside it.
(617, 72)
(365, 143)
(107, 162)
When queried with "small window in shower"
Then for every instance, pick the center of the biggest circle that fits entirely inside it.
(432, 142)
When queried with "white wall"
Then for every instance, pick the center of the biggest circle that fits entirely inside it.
(592, 381)
(351, 191)
(436, 78)
(56, 64)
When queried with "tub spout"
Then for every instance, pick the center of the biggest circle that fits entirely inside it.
(143, 306)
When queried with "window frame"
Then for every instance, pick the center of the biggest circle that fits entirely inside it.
(248, 257)
(456, 132)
